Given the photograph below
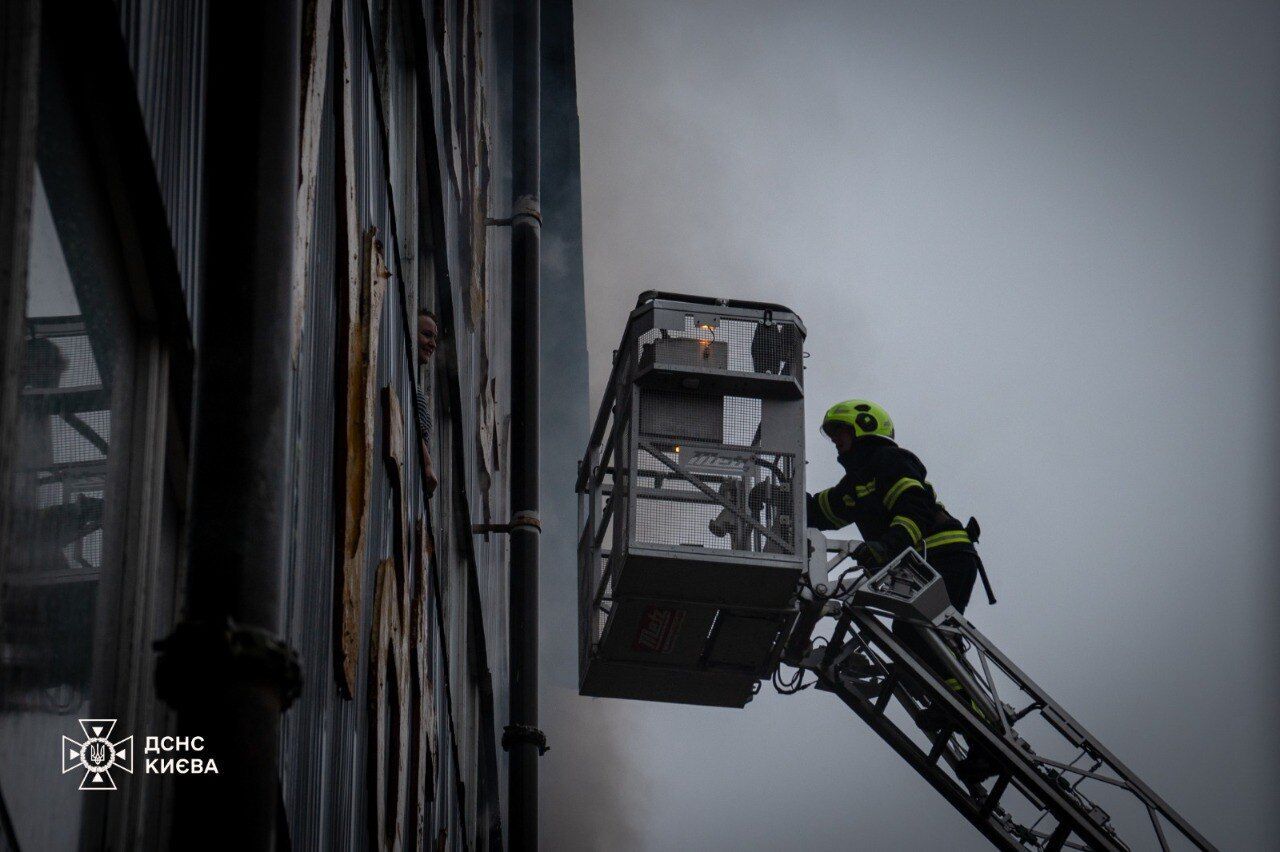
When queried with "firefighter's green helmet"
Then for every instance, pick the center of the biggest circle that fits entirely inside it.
(863, 416)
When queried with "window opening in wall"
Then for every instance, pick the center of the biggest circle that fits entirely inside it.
(69, 494)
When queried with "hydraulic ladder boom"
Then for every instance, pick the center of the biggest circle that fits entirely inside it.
(1045, 779)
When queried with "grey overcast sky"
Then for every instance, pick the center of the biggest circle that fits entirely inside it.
(1044, 236)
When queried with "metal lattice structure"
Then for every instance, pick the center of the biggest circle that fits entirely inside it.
(692, 494)
(1046, 782)
(51, 580)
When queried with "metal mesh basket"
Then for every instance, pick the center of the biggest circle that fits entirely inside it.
(693, 475)
(689, 417)
(732, 345)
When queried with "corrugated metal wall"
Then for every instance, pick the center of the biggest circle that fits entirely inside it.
(326, 758)
(166, 45)
(440, 252)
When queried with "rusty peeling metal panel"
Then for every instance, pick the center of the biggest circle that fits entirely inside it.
(419, 749)
(389, 722)
(455, 692)
(380, 14)
(393, 421)
(317, 17)
(310, 737)
(352, 336)
(477, 162)
(423, 738)
(478, 202)
(447, 67)
(486, 406)
(363, 321)
(400, 658)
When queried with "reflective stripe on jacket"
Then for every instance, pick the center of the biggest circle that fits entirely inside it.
(884, 492)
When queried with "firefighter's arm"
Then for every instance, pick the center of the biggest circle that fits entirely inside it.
(831, 508)
(907, 502)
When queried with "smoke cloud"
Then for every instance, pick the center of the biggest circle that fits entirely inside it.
(1044, 237)
(589, 786)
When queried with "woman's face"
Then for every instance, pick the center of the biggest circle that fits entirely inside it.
(426, 338)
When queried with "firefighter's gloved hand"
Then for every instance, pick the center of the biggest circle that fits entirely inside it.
(726, 522)
(89, 510)
(720, 524)
(871, 554)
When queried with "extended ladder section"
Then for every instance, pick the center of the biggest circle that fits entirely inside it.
(983, 734)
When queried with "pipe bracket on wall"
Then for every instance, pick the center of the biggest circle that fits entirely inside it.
(525, 734)
(526, 210)
(519, 521)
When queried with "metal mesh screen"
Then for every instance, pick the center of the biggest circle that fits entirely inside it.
(736, 346)
(80, 370)
(702, 481)
(600, 591)
(688, 417)
(593, 582)
(52, 563)
(714, 497)
(64, 391)
(600, 615)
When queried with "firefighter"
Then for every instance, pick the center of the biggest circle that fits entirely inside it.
(884, 492)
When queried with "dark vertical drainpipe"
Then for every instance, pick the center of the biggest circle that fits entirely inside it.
(522, 736)
(224, 668)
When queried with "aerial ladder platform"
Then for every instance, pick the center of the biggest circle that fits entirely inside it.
(699, 580)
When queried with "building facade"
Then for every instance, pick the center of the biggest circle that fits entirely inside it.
(395, 605)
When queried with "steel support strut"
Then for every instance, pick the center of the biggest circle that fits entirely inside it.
(867, 666)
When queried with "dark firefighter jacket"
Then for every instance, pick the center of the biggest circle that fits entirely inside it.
(885, 493)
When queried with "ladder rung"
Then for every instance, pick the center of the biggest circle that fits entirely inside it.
(944, 737)
(993, 798)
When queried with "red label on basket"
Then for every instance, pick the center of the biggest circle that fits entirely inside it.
(658, 629)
